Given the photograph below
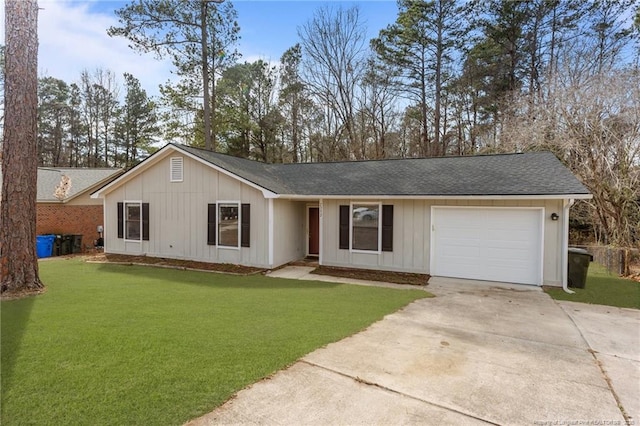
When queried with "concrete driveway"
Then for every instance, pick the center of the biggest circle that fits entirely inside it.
(476, 354)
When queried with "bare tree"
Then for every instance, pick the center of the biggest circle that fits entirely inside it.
(333, 42)
(593, 124)
(295, 106)
(100, 93)
(378, 104)
(18, 261)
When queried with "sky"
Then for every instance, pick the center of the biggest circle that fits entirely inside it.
(73, 35)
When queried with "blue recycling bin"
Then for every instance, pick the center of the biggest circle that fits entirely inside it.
(44, 245)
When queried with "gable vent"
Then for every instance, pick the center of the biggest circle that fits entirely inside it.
(177, 169)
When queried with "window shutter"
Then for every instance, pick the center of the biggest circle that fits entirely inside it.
(344, 227)
(177, 169)
(145, 221)
(212, 224)
(120, 220)
(245, 229)
(387, 227)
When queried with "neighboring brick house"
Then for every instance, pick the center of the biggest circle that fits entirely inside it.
(65, 205)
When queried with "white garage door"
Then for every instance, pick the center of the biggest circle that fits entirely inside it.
(492, 244)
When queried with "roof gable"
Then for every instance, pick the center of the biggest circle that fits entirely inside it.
(82, 180)
(244, 177)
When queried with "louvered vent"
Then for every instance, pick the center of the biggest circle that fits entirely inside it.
(176, 169)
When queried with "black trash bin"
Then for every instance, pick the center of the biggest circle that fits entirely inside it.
(66, 244)
(578, 267)
(57, 245)
(76, 245)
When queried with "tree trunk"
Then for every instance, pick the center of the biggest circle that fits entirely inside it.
(206, 101)
(18, 261)
(437, 113)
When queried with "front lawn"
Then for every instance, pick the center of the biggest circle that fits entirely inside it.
(603, 288)
(111, 344)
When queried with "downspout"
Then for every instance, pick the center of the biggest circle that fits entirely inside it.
(104, 223)
(565, 245)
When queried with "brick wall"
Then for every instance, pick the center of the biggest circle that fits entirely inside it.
(66, 219)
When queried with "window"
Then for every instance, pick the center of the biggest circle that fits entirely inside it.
(228, 224)
(365, 227)
(177, 169)
(133, 220)
(228, 229)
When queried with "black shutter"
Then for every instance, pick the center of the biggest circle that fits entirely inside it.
(120, 220)
(344, 227)
(145, 221)
(245, 229)
(387, 227)
(212, 224)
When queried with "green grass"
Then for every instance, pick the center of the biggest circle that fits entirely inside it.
(603, 288)
(109, 344)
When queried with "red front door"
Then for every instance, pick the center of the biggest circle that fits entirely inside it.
(314, 231)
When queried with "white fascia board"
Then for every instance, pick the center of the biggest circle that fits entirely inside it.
(435, 197)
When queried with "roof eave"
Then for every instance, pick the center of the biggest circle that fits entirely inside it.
(438, 197)
(46, 201)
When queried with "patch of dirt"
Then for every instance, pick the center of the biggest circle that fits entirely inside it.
(371, 275)
(227, 268)
(14, 295)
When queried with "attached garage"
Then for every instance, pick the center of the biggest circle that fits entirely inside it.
(488, 243)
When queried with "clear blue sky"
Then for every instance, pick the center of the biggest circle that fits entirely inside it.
(269, 27)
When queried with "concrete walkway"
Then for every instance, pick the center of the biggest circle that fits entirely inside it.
(304, 273)
(476, 354)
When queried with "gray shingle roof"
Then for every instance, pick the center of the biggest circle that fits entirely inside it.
(539, 173)
(82, 179)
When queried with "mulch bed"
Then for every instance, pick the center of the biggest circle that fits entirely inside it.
(360, 274)
(371, 275)
(226, 268)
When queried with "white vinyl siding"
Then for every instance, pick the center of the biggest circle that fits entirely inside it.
(289, 231)
(178, 219)
(412, 235)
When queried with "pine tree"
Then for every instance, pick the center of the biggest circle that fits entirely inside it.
(200, 39)
(18, 261)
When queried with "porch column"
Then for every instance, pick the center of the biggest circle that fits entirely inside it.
(270, 219)
(566, 204)
(320, 250)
